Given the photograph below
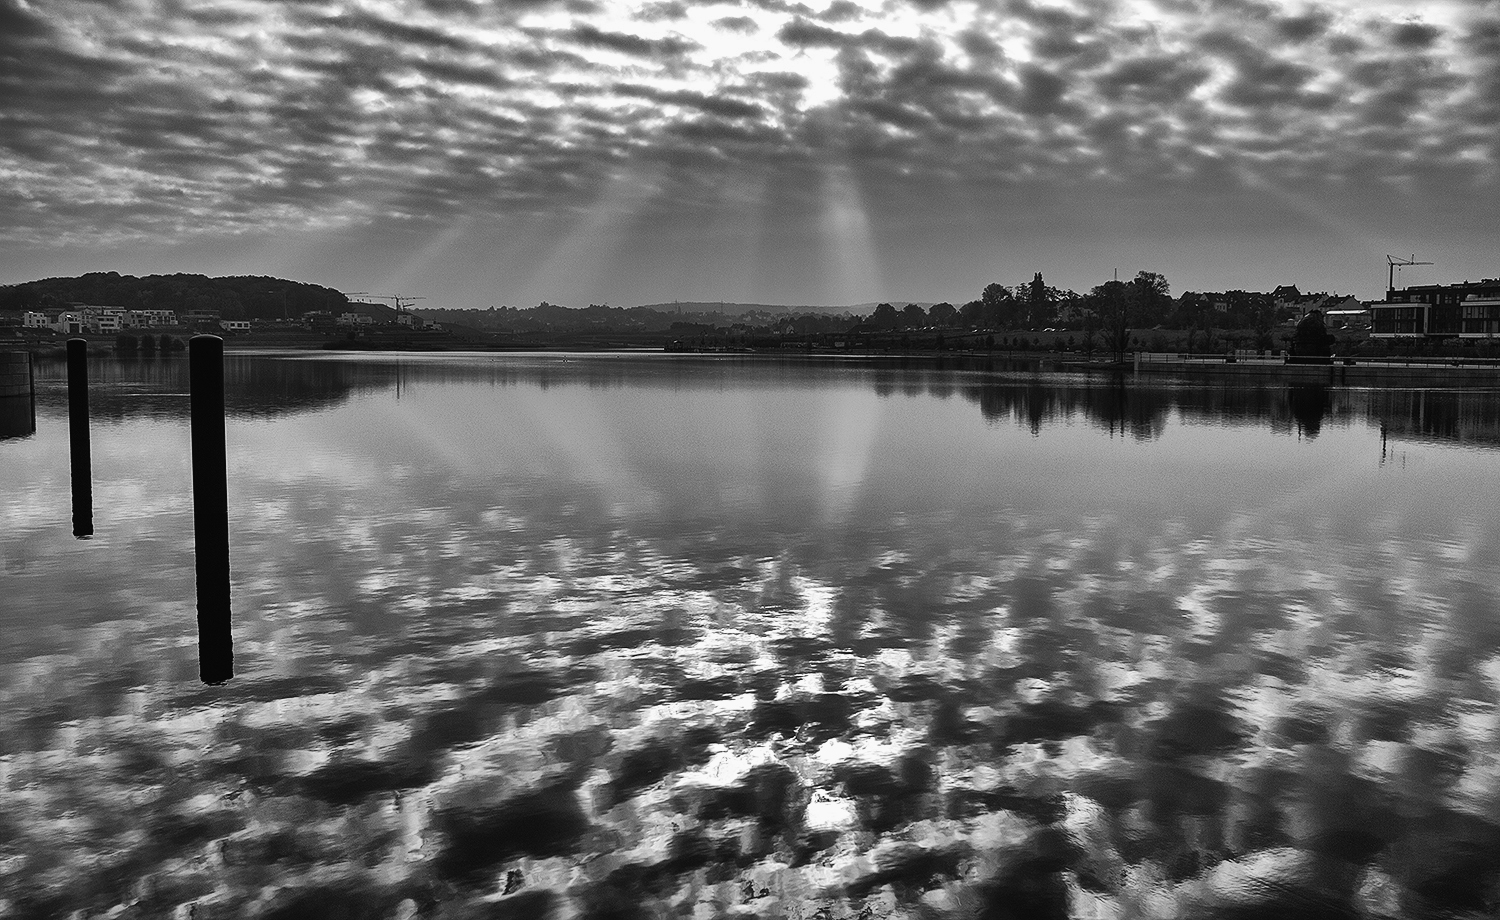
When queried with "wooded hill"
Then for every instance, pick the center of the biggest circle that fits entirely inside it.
(235, 297)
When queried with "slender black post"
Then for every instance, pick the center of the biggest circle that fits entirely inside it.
(210, 507)
(78, 438)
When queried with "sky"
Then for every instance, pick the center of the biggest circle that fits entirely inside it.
(821, 152)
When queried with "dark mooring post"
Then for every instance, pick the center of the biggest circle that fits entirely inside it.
(78, 438)
(210, 507)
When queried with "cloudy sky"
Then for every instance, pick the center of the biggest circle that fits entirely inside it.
(773, 151)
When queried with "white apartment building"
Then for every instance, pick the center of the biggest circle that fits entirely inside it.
(105, 322)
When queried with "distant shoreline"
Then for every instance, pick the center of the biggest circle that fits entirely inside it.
(1339, 371)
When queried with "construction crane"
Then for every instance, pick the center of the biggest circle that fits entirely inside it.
(1396, 262)
(402, 302)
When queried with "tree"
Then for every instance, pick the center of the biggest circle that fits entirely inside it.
(884, 317)
(1036, 303)
(998, 305)
(942, 314)
(994, 294)
(1311, 338)
(1188, 309)
(1109, 304)
(913, 316)
(1152, 298)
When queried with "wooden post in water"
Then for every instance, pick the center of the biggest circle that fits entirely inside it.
(210, 507)
(78, 438)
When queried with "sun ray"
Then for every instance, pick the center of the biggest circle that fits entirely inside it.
(853, 270)
(578, 265)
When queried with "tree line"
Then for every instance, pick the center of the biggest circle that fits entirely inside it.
(234, 297)
(1109, 316)
(1104, 314)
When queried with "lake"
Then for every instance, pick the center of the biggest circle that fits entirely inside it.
(631, 635)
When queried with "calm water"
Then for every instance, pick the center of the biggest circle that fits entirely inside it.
(648, 636)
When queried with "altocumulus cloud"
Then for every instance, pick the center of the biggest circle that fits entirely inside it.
(164, 117)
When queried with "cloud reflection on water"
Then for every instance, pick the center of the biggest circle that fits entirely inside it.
(1037, 671)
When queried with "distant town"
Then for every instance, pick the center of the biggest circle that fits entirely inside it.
(156, 313)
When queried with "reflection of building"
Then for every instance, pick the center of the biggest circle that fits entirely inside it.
(1467, 310)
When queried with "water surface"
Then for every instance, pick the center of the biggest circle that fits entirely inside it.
(645, 635)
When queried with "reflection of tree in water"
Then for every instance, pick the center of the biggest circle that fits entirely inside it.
(1140, 412)
(253, 385)
(1308, 403)
(1002, 389)
(259, 387)
(1466, 416)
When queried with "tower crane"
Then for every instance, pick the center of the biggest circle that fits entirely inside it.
(1396, 262)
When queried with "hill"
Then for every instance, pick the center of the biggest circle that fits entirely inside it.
(236, 297)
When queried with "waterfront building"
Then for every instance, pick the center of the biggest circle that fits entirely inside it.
(71, 322)
(150, 319)
(33, 320)
(106, 322)
(1289, 301)
(1469, 310)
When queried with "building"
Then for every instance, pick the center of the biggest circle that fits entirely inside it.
(355, 319)
(1357, 318)
(150, 319)
(318, 320)
(202, 317)
(106, 322)
(1289, 301)
(1469, 310)
(234, 325)
(92, 318)
(32, 320)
